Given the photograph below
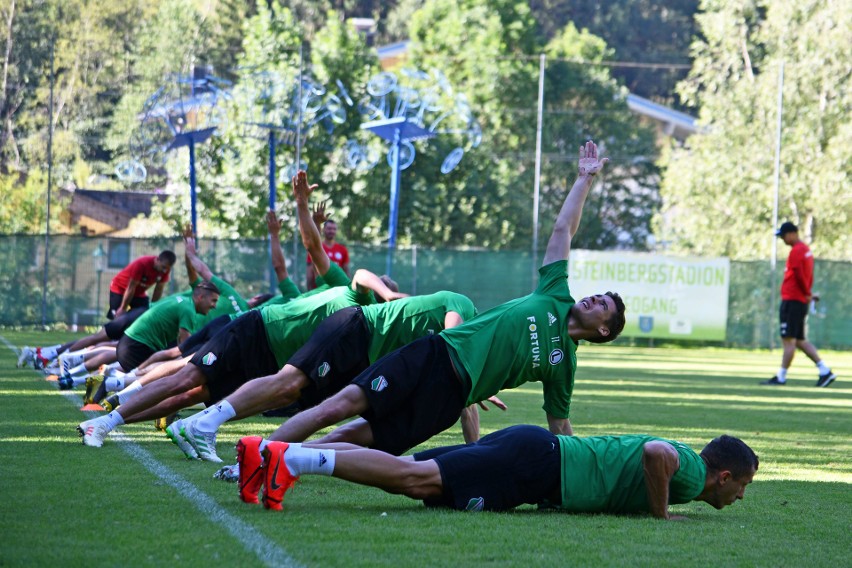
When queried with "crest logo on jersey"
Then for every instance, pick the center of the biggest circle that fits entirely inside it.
(551, 319)
(324, 369)
(379, 384)
(556, 356)
(475, 504)
(209, 359)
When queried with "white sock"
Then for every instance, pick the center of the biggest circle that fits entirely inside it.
(129, 391)
(79, 381)
(822, 367)
(79, 371)
(113, 420)
(50, 352)
(211, 418)
(308, 460)
(115, 383)
(264, 442)
(782, 375)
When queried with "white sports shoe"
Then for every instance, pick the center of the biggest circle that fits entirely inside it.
(203, 442)
(173, 431)
(26, 356)
(229, 473)
(68, 362)
(93, 432)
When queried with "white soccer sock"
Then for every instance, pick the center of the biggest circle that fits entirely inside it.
(264, 442)
(129, 391)
(50, 352)
(79, 371)
(822, 367)
(308, 460)
(210, 419)
(114, 383)
(782, 375)
(113, 420)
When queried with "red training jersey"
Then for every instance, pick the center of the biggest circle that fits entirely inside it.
(337, 254)
(798, 274)
(142, 270)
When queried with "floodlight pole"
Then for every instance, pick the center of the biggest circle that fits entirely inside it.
(394, 201)
(192, 189)
(774, 259)
(537, 182)
(49, 186)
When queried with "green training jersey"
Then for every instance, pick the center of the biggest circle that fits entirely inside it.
(604, 474)
(398, 323)
(289, 291)
(158, 327)
(523, 340)
(289, 326)
(230, 301)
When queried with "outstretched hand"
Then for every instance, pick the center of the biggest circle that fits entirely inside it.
(301, 190)
(589, 164)
(273, 224)
(189, 242)
(319, 214)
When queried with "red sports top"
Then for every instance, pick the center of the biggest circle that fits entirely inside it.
(142, 269)
(798, 274)
(337, 254)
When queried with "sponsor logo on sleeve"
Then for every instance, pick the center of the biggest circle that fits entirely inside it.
(379, 384)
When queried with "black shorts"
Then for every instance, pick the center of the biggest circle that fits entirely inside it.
(237, 354)
(193, 343)
(336, 353)
(793, 316)
(115, 303)
(131, 353)
(116, 328)
(510, 467)
(412, 393)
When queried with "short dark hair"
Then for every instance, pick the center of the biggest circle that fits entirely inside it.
(168, 256)
(207, 285)
(615, 322)
(728, 452)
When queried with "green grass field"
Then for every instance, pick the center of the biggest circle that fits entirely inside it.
(137, 502)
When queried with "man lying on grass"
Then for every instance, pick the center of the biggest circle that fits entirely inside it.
(528, 464)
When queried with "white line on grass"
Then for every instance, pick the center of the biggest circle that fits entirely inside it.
(255, 542)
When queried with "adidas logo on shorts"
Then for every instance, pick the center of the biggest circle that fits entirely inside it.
(379, 384)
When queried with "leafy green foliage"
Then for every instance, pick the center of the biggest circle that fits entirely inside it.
(718, 190)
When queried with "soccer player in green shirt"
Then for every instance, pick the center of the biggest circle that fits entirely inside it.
(419, 390)
(256, 344)
(529, 465)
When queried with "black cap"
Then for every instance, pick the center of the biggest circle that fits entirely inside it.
(786, 227)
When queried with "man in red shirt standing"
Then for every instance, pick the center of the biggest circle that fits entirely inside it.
(337, 253)
(795, 297)
(127, 289)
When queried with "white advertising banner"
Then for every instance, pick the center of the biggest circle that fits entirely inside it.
(666, 297)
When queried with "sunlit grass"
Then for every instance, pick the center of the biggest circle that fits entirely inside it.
(796, 513)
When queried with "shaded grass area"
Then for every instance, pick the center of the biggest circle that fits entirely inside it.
(63, 503)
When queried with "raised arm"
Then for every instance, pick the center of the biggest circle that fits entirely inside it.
(310, 234)
(660, 462)
(364, 280)
(273, 225)
(572, 209)
(193, 260)
(190, 270)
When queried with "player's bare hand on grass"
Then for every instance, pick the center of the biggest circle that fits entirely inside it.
(493, 400)
(589, 164)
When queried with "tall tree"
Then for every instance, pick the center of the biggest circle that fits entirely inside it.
(718, 191)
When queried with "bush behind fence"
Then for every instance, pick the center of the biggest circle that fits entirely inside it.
(80, 270)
